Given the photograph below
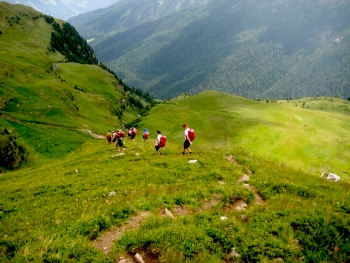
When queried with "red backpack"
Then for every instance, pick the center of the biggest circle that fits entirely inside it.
(146, 135)
(191, 134)
(162, 141)
(108, 136)
(122, 134)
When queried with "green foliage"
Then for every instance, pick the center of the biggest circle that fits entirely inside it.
(12, 153)
(317, 232)
(78, 188)
(256, 49)
(49, 19)
(68, 42)
(52, 105)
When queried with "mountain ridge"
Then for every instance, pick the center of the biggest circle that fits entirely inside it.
(49, 87)
(257, 49)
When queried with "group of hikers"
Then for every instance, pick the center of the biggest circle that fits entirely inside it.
(118, 136)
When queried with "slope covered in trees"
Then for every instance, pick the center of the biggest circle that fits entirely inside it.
(257, 49)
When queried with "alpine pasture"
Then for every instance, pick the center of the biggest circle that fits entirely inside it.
(250, 192)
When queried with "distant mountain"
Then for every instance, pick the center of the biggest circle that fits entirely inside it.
(127, 14)
(257, 49)
(64, 9)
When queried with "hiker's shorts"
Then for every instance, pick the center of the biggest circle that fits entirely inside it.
(186, 144)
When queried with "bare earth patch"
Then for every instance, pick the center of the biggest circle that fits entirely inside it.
(105, 241)
(97, 136)
(258, 200)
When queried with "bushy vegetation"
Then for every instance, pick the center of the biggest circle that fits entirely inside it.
(12, 154)
(69, 43)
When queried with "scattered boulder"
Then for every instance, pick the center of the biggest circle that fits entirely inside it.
(231, 158)
(168, 213)
(243, 178)
(139, 258)
(240, 205)
(234, 254)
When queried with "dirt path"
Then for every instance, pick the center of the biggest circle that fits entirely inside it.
(97, 136)
(258, 200)
(105, 241)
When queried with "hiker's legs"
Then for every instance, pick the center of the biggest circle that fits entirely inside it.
(187, 146)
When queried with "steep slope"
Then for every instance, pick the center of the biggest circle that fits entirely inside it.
(47, 103)
(257, 49)
(228, 206)
(127, 14)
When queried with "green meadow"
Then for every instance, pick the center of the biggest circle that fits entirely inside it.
(59, 210)
(311, 134)
(251, 191)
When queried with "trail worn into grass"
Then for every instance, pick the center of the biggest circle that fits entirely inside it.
(97, 136)
(105, 241)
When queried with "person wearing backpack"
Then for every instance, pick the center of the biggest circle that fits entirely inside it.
(145, 135)
(120, 142)
(187, 141)
(157, 144)
(114, 136)
(109, 137)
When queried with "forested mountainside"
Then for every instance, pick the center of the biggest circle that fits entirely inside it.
(53, 89)
(126, 14)
(257, 49)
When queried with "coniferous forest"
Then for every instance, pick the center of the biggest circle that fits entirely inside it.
(257, 49)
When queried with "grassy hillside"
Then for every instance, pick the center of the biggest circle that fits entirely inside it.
(250, 192)
(310, 134)
(256, 49)
(101, 205)
(50, 105)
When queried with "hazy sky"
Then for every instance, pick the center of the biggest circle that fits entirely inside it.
(64, 9)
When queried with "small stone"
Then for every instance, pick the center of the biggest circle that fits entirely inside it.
(243, 178)
(139, 258)
(234, 254)
(168, 213)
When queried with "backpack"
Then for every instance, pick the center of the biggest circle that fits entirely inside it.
(191, 134)
(146, 135)
(108, 136)
(162, 141)
(122, 134)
